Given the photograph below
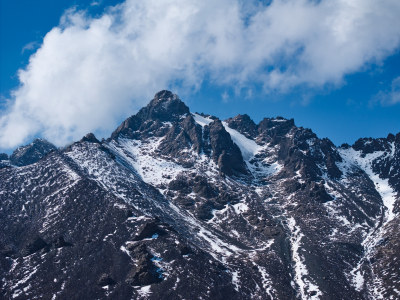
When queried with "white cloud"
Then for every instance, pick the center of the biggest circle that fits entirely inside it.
(225, 97)
(390, 97)
(88, 73)
(30, 47)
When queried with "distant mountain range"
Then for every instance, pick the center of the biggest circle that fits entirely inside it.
(179, 205)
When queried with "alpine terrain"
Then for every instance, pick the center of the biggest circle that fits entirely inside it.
(180, 205)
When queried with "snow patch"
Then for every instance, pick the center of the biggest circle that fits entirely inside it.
(123, 249)
(272, 169)
(352, 157)
(240, 207)
(247, 146)
(120, 206)
(266, 281)
(358, 280)
(236, 280)
(144, 291)
(301, 273)
(152, 169)
(201, 120)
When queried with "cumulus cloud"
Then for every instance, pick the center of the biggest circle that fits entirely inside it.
(89, 72)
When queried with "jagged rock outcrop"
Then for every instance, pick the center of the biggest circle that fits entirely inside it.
(244, 125)
(165, 107)
(31, 153)
(223, 150)
(91, 138)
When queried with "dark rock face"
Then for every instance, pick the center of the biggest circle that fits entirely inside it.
(183, 135)
(369, 145)
(225, 153)
(165, 106)
(145, 272)
(244, 125)
(60, 242)
(31, 153)
(183, 206)
(106, 280)
(91, 138)
(149, 230)
(275, 129)
(34, 246)
(7, 251)
(3, 156)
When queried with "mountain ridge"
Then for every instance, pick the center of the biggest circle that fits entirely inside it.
(179, 205)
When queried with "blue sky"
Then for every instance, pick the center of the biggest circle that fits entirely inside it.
(70, 67)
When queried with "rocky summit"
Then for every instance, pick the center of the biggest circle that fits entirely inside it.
(179, 205)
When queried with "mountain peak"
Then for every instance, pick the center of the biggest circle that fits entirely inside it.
(165, 94)
(91, 138)
(164, 106)
(31, 153)
(244, 124)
